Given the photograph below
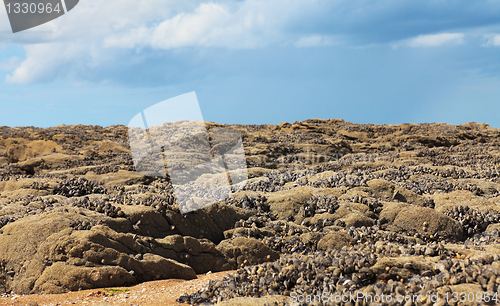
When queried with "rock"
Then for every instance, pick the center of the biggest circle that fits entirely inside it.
(398, 196)
(107, 147)
(492, 227)
(401, 267)
(416, 215)
(447, 201)
(120, 178)
(60, 277)
(381, 188)
(391, 210)
(357, 219)
(335, 240)
(413, 218)
(51, 161)
(152, 222)
(312, 238)
(288, 203)
(199, 254)
(16, 152)
(473, 289)
(40, 246)
(242, 251)
(209, 222)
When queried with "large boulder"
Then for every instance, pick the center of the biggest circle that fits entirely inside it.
(427, 221)
(45, 253)
(143, 220)
(335, 240)
(381, 188)
(245, 251)
(199, 254)
(402, 267)
(21, 149)
(209, 222)
(288, 203)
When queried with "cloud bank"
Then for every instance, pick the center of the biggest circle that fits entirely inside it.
(436, 40)
(100, 41)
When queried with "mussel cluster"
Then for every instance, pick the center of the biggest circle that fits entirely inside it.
(77, 187)
(473, 220)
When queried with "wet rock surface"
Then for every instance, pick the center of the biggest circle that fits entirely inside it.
(330, 206)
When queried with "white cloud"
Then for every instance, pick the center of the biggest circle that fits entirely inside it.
(101, 36)
(314, 41)
(10, 63)
(492, 40)
(435, 40)
(96, 32)
(44, 62)
(209, 25)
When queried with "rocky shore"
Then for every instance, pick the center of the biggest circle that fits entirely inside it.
(333, 213)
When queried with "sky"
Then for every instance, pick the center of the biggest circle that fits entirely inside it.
(256, 61)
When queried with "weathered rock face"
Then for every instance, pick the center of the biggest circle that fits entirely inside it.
(245, 251)
(46, 254)
(427, 221)
(363, 207)
(335, 240)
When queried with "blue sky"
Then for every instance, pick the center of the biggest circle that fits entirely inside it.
(257, 61)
